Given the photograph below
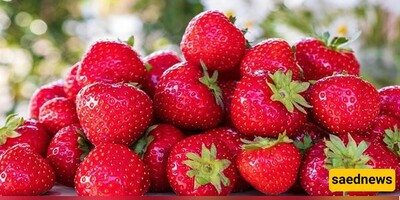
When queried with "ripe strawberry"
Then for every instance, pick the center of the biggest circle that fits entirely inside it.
(201, 165)
(228, 90)
(24, 172)
(382, 123)
(156, 64)
(113, 113)
(66, 150)
(267, 108)
(112, 170)
(390, 100)
(321, 58)
(110, 62)
(16, 130)
(71, 86)
(58, 113)
(269, 165)
(269, 56)
(43, 94)
(154, 147)
(344, 104)
(232, 139)
(189, 98)
(315, 132)
(212, 38)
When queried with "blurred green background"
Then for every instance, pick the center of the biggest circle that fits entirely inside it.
(41, 39)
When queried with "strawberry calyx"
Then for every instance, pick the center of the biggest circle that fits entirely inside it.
(211, 83)
(140, 147)
(287, 91)
(305, 144)
(206, 168)
(338, 43)
(265, 142)
(83, 144)
(350, 156)
(392, 140)
(13, 121)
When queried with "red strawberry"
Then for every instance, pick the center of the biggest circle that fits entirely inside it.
(112, 170)
(344, 104)
(232, 139)
(264, 108)
(156, 64)
(269, 165)
(24, 172)
(331, 154)
(390, 100)
(113, 113)
(58, 113)
(268, 57)
(66, 150)
(110, 62)
(324, 58)
(19, 131)
(212, 38)
(43, 94)
(382, 122)
(154, 148)
(228, 90)
(315, 132)
(71, 86)
(201, 165)
(189, 98)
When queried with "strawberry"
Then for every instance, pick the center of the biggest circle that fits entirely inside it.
(315, 132)
(381, 123)
(344, 104)
(113, 113)
(24, 172)
(112, 170)
(321, 58)
(392, 142)
(154, 147)
(228, 90)
(71, 86)
(269, 165)
(156, 63)
(58, 113)
(110, 62)
(212, 38)
(232, 139)
(267, 108)
(189, 98)
(16, 130)
(201, 165)
(43, 94)
(269, 56)
(66, 150)
(390, 100)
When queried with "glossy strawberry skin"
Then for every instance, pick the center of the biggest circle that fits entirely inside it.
(382, 122)
(159, 61)
(315, 132)
(112, 170)
(58, 113)
(228, 90)
(110, 62)
(71, 86)
(269, 56)
(33, 134)
(24, 172)
(318, 61)
(271, 170)
(113, 113)
(182, 100)
(254, 113)
(212, 38)
(177, 170)
(344, 104)
(43, 94)
(165, 136)
(64, 154)
(390, 100)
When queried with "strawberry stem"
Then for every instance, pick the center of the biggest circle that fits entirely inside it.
(305, 144)
(211, 83)
(8, 130)
(140, 147)
(264, 143)
(392, 140)
(83, 144)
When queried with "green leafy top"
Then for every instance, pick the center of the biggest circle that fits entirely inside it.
(211, 83)
(264, 142)
(392, 140)
(8, 130)
(305, 144)
(338, 43)
(340, 156)
(83, 144)
(288, 92)
(140, 147)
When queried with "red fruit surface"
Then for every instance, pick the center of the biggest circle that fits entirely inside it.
(382, 122)
(43, 94)
(212, 38)
(71, 86)
(24, 172)
(390, 100)
(228, 90)
(112, 170)
(113, 113)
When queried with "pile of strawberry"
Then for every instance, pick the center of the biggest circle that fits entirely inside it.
(226, 118)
